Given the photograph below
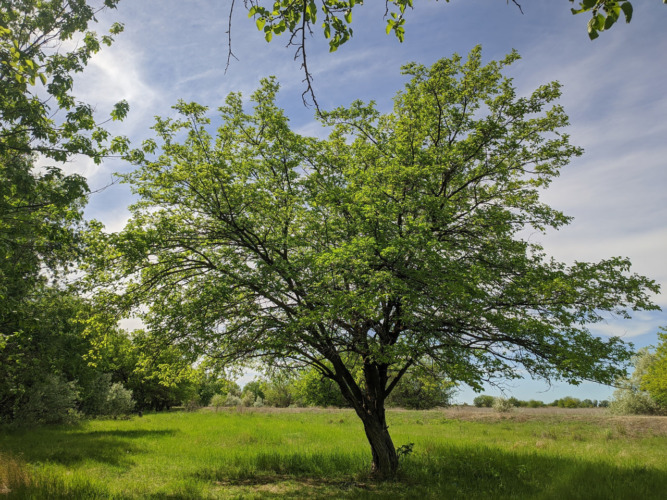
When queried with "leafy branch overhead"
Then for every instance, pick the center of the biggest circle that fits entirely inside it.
(299, 18)
(38, 111)
(604, 13)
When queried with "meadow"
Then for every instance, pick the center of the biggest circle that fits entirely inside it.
(315, 453)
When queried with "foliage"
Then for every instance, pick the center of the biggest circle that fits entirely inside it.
(218, 401)
(293, 17)
(37, 68)
(299, 18)
(231, 400)
(255, 387)
(119, 401)
(571, 402)
(396, 241)
(421, 389)
(211, 383)
(279, 390)
(248, 399)
(52, 401)
(312, 389)
(483, 401)
(93, 401)
(654, 381)
(502, 405)
(604, 13)
(41, 209)
(631, 398)
(47, 338)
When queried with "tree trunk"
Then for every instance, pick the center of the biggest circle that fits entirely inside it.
(385, 459)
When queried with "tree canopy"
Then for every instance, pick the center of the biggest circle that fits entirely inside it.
(654, 380)
(397, 241)
(41, 209)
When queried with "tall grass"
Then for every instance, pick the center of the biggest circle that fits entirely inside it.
(324, 454)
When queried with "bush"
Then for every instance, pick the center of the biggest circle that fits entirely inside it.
(248, 399)
(118, 401)
(533, 403)
(516, 403)
(279, 392)
(483, 401)
(232, 400)
(502, 405)
(422, 390)
(627, 402)
(94, 395)
(312, 389)
(218, 401)
(52, 401)
(192, 404)
(631, 398)
(259, 402)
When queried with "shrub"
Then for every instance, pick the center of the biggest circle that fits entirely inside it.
(94, 396)
(218, 401)
(118, 400)
(259, 402)
(52, 401)
(516, 403)
(232, 400)
(312, 389)
(483, 401)
(627, 402)
(631, 398)
(248, 399)
(422, 390)
(279, 391)
(502, 405)
(192, 404)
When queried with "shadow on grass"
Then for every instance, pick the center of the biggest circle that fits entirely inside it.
(445, 472)
(442, 472)
(69, 446)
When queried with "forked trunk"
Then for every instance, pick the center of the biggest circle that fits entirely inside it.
(385, 459)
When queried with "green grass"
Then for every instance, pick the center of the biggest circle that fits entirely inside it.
(324, 454)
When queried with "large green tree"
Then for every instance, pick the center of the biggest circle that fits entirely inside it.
(43, 44)
(399, 240)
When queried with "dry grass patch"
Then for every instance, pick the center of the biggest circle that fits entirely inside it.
(12, 474)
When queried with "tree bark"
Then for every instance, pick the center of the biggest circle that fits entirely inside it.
(385, 459)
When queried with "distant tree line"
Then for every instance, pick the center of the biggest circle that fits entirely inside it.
(486, 401)
(418, 390)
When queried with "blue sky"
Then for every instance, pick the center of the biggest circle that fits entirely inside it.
(613, 93)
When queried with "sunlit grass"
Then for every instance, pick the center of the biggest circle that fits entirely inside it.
(324, 454)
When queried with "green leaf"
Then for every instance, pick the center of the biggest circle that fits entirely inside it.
(609, 22)
(348, 16)
(627, 10)
(260, 22)
(268, 36)
(598, 22)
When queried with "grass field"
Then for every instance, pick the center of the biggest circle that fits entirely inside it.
(269, 453)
